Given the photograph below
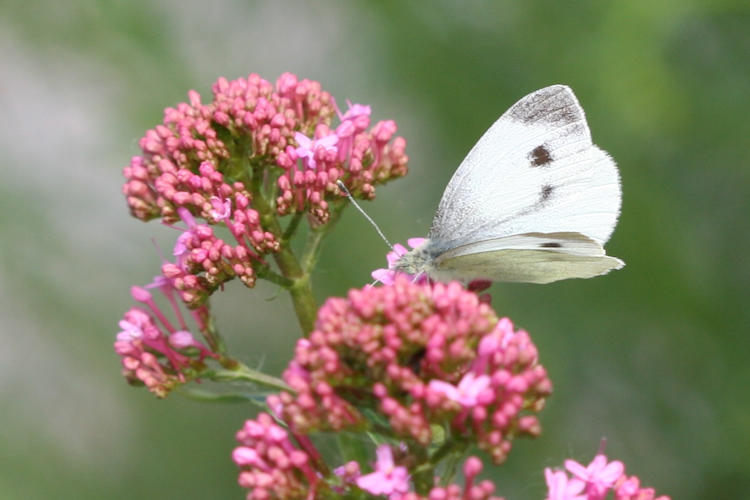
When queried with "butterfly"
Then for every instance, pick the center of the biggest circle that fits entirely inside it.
(533, 201)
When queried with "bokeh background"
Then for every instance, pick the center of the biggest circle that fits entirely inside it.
(653, 357)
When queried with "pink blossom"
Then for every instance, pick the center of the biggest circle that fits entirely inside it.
(132, 327)
(599, 475)
(153, 351)
(221, 208)
(597, 479)
(468, 391)
(349, 472)
(355, 111)
(184, 159)
(387, 478)
(629, 488)
(204, 261)
(411, 348)
(271, 465)
(387, 276)
(308, 148)
(560, 487)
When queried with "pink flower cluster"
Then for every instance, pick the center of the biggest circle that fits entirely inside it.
(471, 490)
(389, 478)
(595, 481)
(272, 467)
(204, 261)
(351, 153)
(153, 351)
(421, 355)
(251, 125)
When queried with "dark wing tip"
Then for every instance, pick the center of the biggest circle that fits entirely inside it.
(556, 105)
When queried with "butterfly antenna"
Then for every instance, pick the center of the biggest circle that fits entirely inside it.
(343, 188)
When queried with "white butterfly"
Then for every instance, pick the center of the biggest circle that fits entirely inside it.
(533, 201)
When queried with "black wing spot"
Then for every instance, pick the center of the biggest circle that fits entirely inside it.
(550, 244)
(540, 156)
(547, 190)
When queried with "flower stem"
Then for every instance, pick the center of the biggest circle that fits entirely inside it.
(223, 397)
(210, 332)
(291, 228)
(316, 236)
(267, 274)
(245, 374)
(297, 280)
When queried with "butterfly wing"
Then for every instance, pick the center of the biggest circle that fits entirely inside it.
(529, 258)
(534, 170)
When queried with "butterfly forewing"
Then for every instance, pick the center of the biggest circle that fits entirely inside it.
(534, 170)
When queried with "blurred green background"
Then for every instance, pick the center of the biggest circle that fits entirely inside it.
(653, 357)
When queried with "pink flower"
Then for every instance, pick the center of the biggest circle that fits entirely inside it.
(629, 488)
(468, 391)
(597, 479)
(600, 476)
(153, 351)
(355, 111)
(410, 350)
(387, 478)
(309, 148)
(387, 276)
(263, 119)
(271, 465)
(560, 487)
(349, 472)
(222, 209)
(205, 262)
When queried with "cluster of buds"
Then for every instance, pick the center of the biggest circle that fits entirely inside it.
(422, 355)
(219, 163)
(156, 353)
(250, 128)
(595, 481)
(204, 261)
(350, 153)
(271, 465)
(389, 478)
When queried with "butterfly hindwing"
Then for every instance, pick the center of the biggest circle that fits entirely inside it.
(530, 258)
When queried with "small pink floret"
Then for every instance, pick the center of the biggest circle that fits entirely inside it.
(308, 147)
(387, 478)
(468, 391)
(599, 475)
(221, 208)
(560, 487)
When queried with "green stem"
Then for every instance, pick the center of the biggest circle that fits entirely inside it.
(210, 332)
(316, 236)
(297, 280)
(300, 289)
(245, 374)
(352, 447)
(451, 448)
(291, 228)
(268, 274)
(223, 397)
(448, 447)
(424, 475)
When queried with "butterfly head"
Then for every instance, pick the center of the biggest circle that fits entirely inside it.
(418, 260)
